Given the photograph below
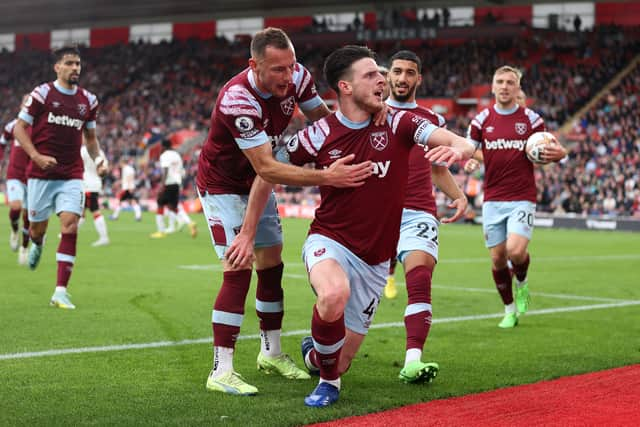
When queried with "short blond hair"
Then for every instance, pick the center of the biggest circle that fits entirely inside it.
(509, 69)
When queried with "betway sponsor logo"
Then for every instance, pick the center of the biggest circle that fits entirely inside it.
(381, 168)
(601, 225)
(505, 144)
(543, 222)
(65, 121)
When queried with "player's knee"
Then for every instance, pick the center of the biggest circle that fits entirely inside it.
(519, 257)
(517, 254)
(69, 225)
(37, 230)
(36, 235)
(332, 302)
(71, 228)
(499, 261)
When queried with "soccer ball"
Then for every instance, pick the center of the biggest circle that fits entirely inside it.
(536, 144)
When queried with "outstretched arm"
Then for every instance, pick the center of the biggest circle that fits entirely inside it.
(449, 147)
(317, 113)
(339, 174)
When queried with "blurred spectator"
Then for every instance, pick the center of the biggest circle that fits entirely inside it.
(446, 15)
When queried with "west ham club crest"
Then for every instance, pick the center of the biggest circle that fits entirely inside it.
(288, 105)
(379, 140)
(521, 128)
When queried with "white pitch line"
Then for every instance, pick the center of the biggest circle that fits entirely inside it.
(540, 294)
(493, 291)
(450, 288)
(578, 258)
(218, 267)
(482, 260)
(121, 347)
(529, 313)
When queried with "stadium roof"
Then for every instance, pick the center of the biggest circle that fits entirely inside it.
(26, 16)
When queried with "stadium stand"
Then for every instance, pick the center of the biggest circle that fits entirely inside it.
(602, 175)
(149, 90)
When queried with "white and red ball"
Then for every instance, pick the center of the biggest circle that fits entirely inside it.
(536, 143)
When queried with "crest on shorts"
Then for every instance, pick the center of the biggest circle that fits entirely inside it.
(319, 252)
(521, 128)
(288, 105)
(379, 140)
(82, 109)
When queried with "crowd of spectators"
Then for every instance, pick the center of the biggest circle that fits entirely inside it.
(148, 91)
(602, 174)
(387, 18)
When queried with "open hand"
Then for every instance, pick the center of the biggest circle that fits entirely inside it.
(240, 255)
(341, 174)
(443, 155)
(460, 206)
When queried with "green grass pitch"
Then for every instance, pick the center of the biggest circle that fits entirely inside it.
(584, 317)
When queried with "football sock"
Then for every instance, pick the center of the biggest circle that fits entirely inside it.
(412, 355)
(137, 211)
(160, 222)
(100, 224)
(417, 315)
(328, 339)
(311, 359)
(269, 297)
(25, 229)
(270, 343)
(502, 278)
(66, 256)
(270, 308)
(183, 217)
(222, 360)
(14, 217)
(392, 266)
(228, 310)
(520, 270)
(172, 219)
(335, 383)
